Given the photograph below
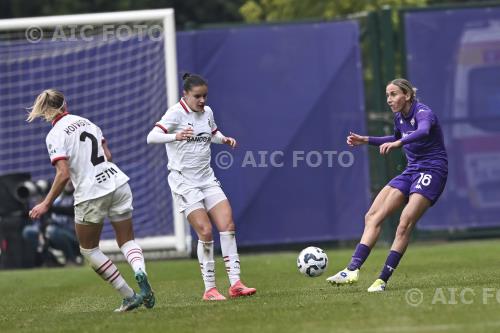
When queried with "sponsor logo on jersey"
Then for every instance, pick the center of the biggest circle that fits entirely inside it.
(412, 121)
(105, 175)
(201, 137)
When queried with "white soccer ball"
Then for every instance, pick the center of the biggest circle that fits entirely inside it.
(312, 261)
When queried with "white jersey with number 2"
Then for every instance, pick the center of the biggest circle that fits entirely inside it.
(79, 141)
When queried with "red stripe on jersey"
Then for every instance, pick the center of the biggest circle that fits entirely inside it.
(56, 119)
(184, 106)
(215, 131)
(163, 128)
(58, 159)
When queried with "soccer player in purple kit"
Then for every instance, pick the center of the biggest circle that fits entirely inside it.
(417, 130)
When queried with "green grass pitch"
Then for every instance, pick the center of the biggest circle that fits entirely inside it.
(459, 286)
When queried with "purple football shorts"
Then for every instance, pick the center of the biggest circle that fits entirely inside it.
(428, 183)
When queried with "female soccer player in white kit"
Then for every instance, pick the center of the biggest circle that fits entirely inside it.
(80, 154)
(187, 129)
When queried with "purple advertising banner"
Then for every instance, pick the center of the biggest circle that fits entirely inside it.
(453, 57)
(289, 94)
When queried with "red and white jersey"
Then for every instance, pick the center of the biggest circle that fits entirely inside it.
(190, 157)
(79, 141)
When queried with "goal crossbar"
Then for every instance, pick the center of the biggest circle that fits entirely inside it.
(97, 18)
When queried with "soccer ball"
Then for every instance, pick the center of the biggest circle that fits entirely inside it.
(312, 261)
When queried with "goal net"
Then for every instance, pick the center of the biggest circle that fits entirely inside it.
(120, 71)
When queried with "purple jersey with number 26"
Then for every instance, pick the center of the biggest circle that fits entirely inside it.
(423, 145)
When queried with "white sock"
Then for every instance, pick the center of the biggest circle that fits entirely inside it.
(133, 253)
(205, 253)
(230, 254)
(126, 291)
(103, 266)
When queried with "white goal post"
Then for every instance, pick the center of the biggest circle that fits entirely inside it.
(179, 243)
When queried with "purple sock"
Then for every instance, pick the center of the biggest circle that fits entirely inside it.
(358, 258)
(390, 265)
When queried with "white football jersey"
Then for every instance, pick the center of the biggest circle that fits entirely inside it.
(79, 141)
(190, 157)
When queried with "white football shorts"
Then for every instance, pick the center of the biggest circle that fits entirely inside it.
(117, 206)
(190, 196)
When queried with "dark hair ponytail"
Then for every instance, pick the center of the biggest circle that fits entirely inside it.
(192, 80)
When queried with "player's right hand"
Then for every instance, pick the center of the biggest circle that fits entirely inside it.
(354, 139)
(184, 134)
(38, 210)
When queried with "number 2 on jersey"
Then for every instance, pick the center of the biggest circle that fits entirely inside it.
(94, 157)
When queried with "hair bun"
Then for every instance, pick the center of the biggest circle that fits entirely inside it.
(186, 75)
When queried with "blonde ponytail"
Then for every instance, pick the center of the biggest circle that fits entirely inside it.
(48, 105)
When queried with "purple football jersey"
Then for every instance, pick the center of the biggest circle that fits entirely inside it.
(427, 152)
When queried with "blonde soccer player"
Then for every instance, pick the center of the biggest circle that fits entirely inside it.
(187, 129)
(418, 132)
(79, 152)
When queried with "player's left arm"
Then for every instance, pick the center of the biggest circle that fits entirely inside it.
(218, 137)
(60, 180)
(104, 144)
(107, 152)
(424, 120)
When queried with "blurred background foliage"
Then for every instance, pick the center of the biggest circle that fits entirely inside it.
(194, 13)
